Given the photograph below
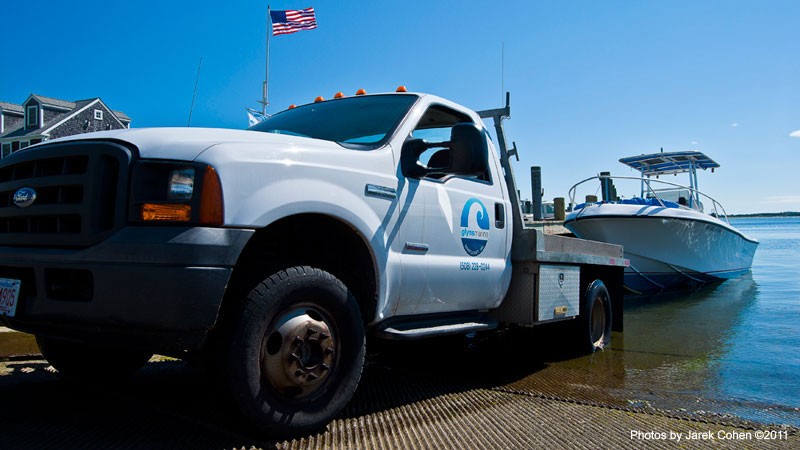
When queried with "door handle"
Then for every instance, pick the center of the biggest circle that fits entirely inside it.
(499, 215)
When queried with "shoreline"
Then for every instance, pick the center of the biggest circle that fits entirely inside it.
(767, 215)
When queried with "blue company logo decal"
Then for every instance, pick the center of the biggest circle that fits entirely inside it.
(474, 239)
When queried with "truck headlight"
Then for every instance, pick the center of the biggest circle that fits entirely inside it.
(181, 184)
(173, 192)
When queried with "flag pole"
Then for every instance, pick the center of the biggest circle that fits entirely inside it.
(264, 98)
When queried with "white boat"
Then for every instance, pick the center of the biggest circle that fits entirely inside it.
(670, 240)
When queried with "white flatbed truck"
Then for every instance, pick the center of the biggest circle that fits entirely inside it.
(274, 251)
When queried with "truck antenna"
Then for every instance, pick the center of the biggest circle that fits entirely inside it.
(502, 70)
(194, 95)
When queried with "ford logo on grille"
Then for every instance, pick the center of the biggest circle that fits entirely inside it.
(24, 197)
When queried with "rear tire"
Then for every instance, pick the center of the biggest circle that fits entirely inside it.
(596, 317)
(82, 362)
(297, 351)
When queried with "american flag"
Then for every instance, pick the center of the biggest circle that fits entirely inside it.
(292, 21)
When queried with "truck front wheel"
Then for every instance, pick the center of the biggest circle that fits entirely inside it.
(297, 351)
(596, 317)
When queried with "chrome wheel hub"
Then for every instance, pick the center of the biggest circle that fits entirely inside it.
(299, 353)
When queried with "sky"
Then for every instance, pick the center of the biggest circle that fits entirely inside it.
(591, 81)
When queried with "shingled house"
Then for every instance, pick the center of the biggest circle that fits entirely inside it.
(41, 118)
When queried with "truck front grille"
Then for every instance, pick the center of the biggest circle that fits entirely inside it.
(79, 188)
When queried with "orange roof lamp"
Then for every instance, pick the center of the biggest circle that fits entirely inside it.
(341, 95)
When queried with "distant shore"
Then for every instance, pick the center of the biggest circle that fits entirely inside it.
(780, 214)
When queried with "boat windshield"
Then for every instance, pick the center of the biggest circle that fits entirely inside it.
(682, 197)
(362, 122)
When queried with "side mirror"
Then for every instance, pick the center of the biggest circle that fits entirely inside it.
(409, 158)
(470, 149)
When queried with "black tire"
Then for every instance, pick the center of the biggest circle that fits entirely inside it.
(82, 362)
(297, 351)
(596, 317)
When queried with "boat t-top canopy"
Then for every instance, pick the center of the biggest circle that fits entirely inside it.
(665, 163)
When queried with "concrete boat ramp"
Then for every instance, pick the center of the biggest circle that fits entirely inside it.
(448, 394)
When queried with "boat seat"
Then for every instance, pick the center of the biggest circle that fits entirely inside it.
(648, 202)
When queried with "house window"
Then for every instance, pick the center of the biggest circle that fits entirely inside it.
(35, 141)
(6, 150)
(98, 114)
(23, 144)
(33, 116)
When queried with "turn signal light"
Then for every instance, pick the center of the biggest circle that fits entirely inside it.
(292, 106)
(211, 205)
(319, 99)
(154, 212)
(338, 95)
(401, 89)
(361, 92)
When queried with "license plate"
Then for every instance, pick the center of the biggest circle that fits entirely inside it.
(9, 293)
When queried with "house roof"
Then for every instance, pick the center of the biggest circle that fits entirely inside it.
(122, 116)
(54, 102)
(66, 108)
(82, 103)
(11, 107)
(19, 132)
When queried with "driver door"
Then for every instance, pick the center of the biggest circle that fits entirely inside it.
(466, 228)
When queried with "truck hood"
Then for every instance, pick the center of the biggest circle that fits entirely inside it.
(186, 144)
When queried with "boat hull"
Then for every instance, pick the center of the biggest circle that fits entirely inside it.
(668, 248)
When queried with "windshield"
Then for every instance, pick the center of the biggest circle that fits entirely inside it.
(354, 122)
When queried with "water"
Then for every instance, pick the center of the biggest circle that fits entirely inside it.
(733, 348)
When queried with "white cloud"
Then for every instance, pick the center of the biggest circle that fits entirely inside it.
(695, 142)
(735, 124)
(795, 134)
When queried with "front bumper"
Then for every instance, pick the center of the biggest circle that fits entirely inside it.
(154, 287)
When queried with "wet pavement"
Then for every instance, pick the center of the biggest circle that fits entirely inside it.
(498, 392)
